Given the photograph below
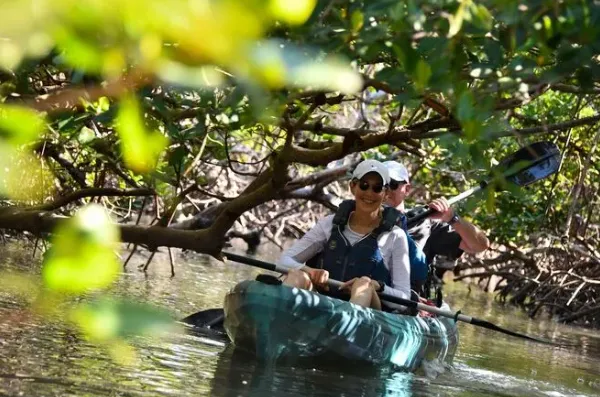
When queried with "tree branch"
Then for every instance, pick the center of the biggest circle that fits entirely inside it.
(91, 192)
(368, 141)
(69, 99)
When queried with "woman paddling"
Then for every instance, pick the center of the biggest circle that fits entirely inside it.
(367, 250)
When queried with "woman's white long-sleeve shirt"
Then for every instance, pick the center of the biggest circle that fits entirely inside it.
(393, 246)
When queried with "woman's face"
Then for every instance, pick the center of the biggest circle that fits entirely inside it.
(371, 198)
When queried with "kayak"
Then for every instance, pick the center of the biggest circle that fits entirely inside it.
(278, 322)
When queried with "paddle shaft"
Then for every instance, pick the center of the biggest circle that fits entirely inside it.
(390, 298)
(413, 220)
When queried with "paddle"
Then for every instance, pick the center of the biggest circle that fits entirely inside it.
(524, 167)
(196, 319)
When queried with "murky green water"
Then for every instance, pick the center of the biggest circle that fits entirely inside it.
(38, 358)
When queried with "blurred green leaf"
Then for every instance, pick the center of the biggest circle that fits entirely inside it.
(19, 125)
(422, 75)
(24, 177)
(141, 148)
(82, 256)
(456, 20)
(482, 18)
(465, 107)
(196, 77)
(357, 21)
(293, 12)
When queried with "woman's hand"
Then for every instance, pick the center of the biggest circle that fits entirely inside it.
(319, 277)
(372, 283)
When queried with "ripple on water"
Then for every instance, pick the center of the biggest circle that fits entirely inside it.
(48, 359)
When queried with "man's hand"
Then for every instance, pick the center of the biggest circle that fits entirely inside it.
(444, 211)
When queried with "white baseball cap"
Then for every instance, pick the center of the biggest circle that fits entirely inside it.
(367, 166)
(397, 171)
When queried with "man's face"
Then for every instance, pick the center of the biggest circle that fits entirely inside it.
(396, 196)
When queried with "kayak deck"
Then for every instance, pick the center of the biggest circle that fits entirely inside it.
(278, 322)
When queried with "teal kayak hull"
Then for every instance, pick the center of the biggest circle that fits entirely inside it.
(276, 322)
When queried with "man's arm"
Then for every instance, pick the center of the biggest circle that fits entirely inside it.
(473, 239)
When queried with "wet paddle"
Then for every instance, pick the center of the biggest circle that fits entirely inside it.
(202, 319)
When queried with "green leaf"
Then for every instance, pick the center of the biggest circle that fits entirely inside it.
(481, 17)
(19, 125)
(185, 76)
(24, 177)
(86, 135)
(78, 52)
(141, 148)
(422, 75)
(394, 77)
(293, 12)
(82, 256)
(456, 20)
(357, 21)
(465, 110)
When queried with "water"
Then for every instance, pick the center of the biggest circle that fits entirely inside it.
(41, 358)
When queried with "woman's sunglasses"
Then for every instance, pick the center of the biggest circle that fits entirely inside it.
(396, 184)
(364, 186)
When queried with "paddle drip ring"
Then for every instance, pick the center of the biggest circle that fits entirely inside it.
(456, 316)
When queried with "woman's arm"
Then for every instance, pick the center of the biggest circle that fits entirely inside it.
(308, 246)
(400, 268)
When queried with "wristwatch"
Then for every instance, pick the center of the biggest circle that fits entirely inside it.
(455, 218)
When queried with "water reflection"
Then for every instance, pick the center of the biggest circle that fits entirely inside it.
(42, 358)
(239, 374)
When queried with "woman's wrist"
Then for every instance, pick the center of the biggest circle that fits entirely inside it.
(379, 286)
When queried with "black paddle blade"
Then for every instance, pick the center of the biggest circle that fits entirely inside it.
(208, 319)
(531, 163)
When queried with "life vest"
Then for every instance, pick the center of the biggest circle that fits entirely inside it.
(345, 262)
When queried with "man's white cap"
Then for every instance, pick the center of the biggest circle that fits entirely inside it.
(367, 166)
(397, 171)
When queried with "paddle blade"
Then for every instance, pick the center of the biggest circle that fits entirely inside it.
(211, 318)
(531, 163)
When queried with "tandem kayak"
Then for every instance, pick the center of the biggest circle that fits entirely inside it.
(276, 322)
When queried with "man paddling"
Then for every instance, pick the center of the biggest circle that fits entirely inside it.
(445, 233)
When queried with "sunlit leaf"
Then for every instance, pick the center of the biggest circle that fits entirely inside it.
(141, 148)
(82, 256)
(328, 75)
(20, 125)
(10, 54)
(86, 135)
(196, 77)
(294, 12)
(456, 20)
(78, 52)
(357, 20)
(481, 16)
(24, 177)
